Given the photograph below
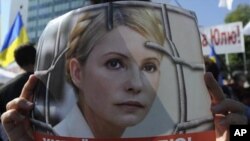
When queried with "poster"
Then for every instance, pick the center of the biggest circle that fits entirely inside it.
(122, 71)
(226, 38)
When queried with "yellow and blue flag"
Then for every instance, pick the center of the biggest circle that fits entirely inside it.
(16, 36)
(213, 56)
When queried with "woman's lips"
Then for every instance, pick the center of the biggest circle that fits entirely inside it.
(131, 104)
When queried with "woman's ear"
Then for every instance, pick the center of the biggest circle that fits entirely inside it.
(75, 71)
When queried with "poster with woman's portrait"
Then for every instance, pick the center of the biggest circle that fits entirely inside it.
(122, 71)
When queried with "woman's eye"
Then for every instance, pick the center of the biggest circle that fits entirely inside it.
(149, 68)
(114, 64)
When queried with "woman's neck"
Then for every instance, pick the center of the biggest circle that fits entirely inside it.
(100, 127)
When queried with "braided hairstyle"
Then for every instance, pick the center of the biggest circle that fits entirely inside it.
(92, 26)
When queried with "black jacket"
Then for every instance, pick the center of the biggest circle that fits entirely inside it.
(12, 89)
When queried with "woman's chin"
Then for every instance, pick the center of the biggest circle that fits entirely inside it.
(130, 120)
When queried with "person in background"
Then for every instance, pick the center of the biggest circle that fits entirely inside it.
(214, 69)
(233, 89)
(238, 89)
(25, 57)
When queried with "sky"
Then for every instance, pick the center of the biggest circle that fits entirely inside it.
(207, 11)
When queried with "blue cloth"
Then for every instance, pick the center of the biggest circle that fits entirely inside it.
(3, 136)
(248, 113)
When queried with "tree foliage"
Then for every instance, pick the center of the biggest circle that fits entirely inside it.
(242, 14)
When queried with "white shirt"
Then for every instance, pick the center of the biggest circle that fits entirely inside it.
(74, 125)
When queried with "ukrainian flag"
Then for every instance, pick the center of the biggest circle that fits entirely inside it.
(213, 56)
(15, 37)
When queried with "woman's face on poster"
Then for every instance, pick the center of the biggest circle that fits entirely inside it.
(119, 80)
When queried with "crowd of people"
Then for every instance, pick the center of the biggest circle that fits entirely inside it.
(235, 86)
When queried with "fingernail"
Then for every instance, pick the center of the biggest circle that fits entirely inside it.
(30, 104)
(31, 76)
(26, 105)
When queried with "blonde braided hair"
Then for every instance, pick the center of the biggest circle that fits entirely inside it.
(92, 26)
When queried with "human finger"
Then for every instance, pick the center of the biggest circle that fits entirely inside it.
(229, 105)
(11, 118)
(16, 125)
(234, 119)
(20, 104)
(28, 87)
(214, 89)
(220, 129)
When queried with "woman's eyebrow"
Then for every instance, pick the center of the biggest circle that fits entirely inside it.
(152, 59)
(123, 55)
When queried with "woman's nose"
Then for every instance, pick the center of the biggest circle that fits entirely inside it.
(134, 82)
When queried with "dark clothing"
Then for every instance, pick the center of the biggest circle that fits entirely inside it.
(227, 91)
(238, 91)
(12, 89)
(8, 92)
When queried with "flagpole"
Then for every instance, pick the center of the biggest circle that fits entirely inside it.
(228, 67)
(227, 59)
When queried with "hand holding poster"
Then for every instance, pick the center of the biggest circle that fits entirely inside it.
(118, 71)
